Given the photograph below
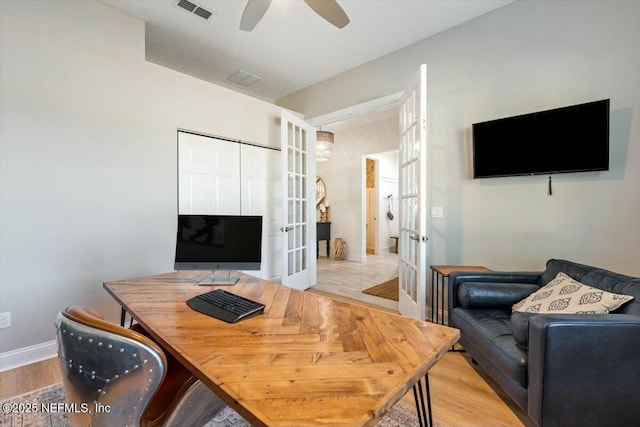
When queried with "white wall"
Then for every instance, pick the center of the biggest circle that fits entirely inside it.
(524, 57)
(89, 157)
(345, 180)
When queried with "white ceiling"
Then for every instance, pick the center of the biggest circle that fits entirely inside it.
(292, 47)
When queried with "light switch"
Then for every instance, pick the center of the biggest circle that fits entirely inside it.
(436, 212)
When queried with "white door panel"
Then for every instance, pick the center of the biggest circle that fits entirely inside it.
(413, 199)
(260, 180)
(208, 175)
(298, 208)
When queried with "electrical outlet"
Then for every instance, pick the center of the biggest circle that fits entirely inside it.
(5, 320)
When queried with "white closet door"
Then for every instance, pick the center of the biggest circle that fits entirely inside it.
(261, 195)
(208, 175)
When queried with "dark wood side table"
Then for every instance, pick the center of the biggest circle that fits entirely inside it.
(323, 232)
(438, 274)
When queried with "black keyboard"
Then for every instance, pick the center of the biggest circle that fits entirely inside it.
(225, 306)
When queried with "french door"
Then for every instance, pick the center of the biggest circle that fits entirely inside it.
(298, 141)
(413, 199)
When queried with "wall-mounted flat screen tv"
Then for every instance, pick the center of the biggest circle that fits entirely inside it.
(567, 139)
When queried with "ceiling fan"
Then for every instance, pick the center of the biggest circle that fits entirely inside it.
(330, 10)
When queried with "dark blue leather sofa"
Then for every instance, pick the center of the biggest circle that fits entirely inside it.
(563, 370)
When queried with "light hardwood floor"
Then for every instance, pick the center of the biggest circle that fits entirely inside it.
(30, 377)
(461, 393)
(350, 278)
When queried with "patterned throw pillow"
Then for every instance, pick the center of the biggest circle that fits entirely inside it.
(565, 295)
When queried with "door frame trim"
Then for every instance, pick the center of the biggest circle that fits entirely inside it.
(372, 106)
(229, 139)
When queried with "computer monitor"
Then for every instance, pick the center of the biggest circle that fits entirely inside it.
(218, 242)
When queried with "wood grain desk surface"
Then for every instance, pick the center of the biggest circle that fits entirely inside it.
(309, 360)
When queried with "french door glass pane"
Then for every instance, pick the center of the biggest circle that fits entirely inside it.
(290, 264)
(304, 258)
(290, 187)
(291, 212)
(304, 235)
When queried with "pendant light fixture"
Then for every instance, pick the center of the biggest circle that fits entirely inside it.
(324, 144)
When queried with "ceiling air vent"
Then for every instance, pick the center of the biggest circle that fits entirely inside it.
(194, 8)
(243, 78)
(202, 13)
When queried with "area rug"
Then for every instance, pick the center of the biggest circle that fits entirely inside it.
(388, 289)
(400, 415)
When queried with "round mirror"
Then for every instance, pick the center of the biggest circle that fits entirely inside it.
(321, 191)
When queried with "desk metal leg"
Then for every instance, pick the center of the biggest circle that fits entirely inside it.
(123, 317)
(425, 418)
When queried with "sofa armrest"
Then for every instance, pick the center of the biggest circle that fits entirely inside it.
(497, 277)
(583, 370)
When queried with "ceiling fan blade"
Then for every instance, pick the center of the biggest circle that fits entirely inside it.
(329, 10)
(253, 13)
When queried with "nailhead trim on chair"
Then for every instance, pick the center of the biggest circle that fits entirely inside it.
(129, 357)
(101, 391)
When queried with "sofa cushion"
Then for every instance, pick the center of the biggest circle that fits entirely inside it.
(566, 295)
(598, 278)
(520, 328)
(490, 332)
(493, 295)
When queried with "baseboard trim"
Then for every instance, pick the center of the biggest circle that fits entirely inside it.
(27, 355)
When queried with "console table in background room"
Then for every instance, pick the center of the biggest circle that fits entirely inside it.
(438, 274)
(323, 230)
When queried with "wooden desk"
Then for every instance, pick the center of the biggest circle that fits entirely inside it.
(308, 360)
(438, 274)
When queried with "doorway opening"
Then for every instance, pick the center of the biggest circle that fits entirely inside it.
(380, 202)
(371, 223)
(363, 132)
